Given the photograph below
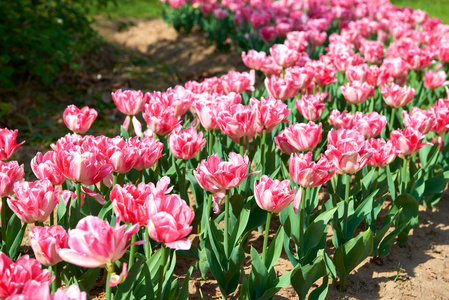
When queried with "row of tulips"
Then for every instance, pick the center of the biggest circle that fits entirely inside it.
(228, 141)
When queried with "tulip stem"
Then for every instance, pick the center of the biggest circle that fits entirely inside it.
(132, 251)
(211, 143)
(404, 174)
(52, 218)
(3, 214)
(147, 246)
(108, 288)
(262, 150)
(114, 178)
(392, 116)
(242, 146)
(78, 201)
(160, 291)
(345, 213)
(302, 212)
(184, 194)
(57, 282)
(226, 221)
(265, 239)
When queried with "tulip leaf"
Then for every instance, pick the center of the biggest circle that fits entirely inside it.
(88, 279)
(409, 214)
(124, 132)
(352, 253)
(14, 235)
(320, 292)
(105, 210)
(274, 250)
(258, 277)
(391, 185)
(276, 286)
(388, 241)
(184, 294)
(124, 289)
(240, 226)
(170, 286)
(243, 293)
(359, 215)
(303, 277)
(436, 184)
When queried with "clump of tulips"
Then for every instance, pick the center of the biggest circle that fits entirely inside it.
(222, 158)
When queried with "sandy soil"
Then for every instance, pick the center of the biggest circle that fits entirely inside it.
(418, 271)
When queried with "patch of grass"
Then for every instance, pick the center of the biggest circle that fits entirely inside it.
(435, 8)
(142, 9)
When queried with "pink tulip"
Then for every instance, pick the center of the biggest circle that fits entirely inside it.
(178, 98)
(357, 92)
(311, 106)
(296, 40)
(44, 168)
(269, 67)
(73, 292)
(273, 195)
(130, 204)
(373, 51)
(169, 221)
(342, 120)
(160, 118)
(79, 120)
(440, 113)
(10, 173)
(284, 56)
(396, 96)
(268, 34)
(344, 60)
(8, 143)
(269, 112)
(281, 88)
(377, 76)
(94, 243)
(86, 166)
(236, 82)
(129, 102)
(419, 119)
(237, 121)
(117, 279)
(308, 173)
(434, 80)
(418, 59)
(208, 106)
(215, 175)
(68, 197)
(299, 137)
(384, 153)
(46, 243)
(301, 76)
(370, 125)
(121, 154)
(324, 74)
(33, 290)
(34, 201)
(149, 150)
(14, 276)
(254, 60)
(347, 151)
(316, 37)
(185, 144)
(407, 141)
(357, 73)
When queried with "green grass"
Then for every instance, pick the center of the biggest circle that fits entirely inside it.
(142, 9)
(435, 8)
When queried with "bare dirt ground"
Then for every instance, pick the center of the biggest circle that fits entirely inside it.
(418, 271)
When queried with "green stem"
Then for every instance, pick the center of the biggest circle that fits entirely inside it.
(262, 151)
(265, 238)
(114, 178)
(226, 221)
(184, 194)
(242, 146)
(346, 208)
(302, 211)
(110, 270)
(161, 271)
(132, 251)
(211, 143)
(3, 214)
(392, 116)
(147, 246)
(209, 204)
(404, 174)
(52, 218)
(78, 201)
(57, 282)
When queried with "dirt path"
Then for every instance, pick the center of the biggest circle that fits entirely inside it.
(418, 271)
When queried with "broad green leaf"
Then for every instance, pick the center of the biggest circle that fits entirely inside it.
(302, 278)
(184, 294)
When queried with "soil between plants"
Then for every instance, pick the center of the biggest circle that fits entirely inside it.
(420, 270)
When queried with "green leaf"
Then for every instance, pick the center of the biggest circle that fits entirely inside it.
(124, 290)
(276, 286)
(240, 227)
(409, 214)
(436, 184)
(302, 278)
(320, 292)
(124, 132)
(184, 294)
(17, 241)
(88, 279)
(258, 276)
(274, 250)
(359, 215)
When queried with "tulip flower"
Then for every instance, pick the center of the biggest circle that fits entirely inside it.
(281, 88)
(236, 82)
(407, 141)
(357, 73)
(296, 40)
(344, 60)
(79, 120)
(73, 292)
(10, 173)
(254, 60)
(434, 80)
(130, 102)
(347, 151)
(370, 125)
(130, 204)
(149, 150)
(377, 76)
(396, 96)
(418, 59)
(311, 106)
(273, 195)
(44, 167)
(284, 56)
(237, 121)
(46, 243)
(440, 113)
(15, 275)
(308, 173)
(324, 74)
(302, 76)
(419, 119)
(121, 154)
(299, 137)
(357, 92)
(185, 144)
(169, 221)
(33, 290)
(269, 112)
(160, 118)
(373, 51)
(8, 143)
(384, 153)
(94, 243)
(179, 98)
(34, 201)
